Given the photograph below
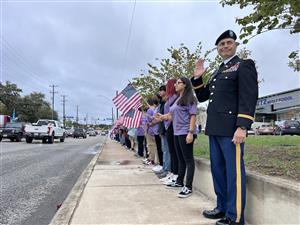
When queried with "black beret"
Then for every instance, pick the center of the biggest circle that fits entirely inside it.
(226, 34)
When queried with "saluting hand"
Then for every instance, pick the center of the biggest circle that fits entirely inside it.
(239, 136)
(199, 68)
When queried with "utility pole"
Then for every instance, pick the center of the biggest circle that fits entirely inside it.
(112, 115)
(117, 108)
(86, 119)
(64, 107)
(53, 92)
(77, 119)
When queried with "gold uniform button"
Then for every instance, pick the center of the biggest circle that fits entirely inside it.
(214, 79)
(230, 112)
(211, 93)
(210, 100)
(213, 86)
(226, 77)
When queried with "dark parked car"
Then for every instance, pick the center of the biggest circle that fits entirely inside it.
(13, 131)
(288, 127)
(79, 132)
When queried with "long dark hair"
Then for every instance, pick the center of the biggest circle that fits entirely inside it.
(188, 97)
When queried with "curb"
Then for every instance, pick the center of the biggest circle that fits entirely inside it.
(64, 215)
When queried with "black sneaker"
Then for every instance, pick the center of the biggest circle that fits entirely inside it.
(185, 192)
(174, 185)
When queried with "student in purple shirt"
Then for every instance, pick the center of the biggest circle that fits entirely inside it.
(183, 114)
(171, 97)
(151, 144)
(140, 135)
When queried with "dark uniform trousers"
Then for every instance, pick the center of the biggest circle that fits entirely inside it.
(232, 92)
(229, 177)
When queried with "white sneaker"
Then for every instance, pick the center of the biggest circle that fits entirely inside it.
(185, 192)
(168, 177)
(171, 180)
(157, 168)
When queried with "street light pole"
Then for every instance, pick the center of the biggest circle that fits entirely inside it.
(112, 109)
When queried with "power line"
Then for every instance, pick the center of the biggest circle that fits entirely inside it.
(19, 59)
(25, 83)
(128, 39)
(15, 69)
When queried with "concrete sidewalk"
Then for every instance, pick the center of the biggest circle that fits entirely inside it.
(123, 191)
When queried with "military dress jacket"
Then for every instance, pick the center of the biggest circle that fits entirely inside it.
(232, 92)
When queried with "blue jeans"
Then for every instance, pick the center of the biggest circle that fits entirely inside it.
(166, 153)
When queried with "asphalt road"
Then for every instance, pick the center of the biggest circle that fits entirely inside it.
(35, 178)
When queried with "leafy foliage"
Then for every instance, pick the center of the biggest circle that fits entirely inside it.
(29, 108)
(269, 15)
(9, 96)
(180, 63)
(294, 60)
(33, 107)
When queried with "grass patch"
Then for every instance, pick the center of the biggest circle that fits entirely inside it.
(271, 155)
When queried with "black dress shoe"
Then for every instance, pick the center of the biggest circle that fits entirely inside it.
(213, 214)
(226, 221)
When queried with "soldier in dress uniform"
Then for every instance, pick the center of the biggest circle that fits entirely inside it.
(232, 93)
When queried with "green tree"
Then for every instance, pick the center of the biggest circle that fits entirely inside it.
(180, 63)
(9, 96)
(33, 107)
(269, 15)
(3, 109)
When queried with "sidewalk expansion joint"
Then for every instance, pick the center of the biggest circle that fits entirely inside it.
(124, 185)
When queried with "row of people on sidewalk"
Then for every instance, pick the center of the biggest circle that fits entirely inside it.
(166, 135)
(169, 128)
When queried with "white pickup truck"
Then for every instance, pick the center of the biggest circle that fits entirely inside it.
(45, 130)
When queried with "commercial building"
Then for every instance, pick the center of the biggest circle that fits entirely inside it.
(276, 107)
(280, 106)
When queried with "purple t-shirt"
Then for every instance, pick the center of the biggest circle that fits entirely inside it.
(167, 109)
(156, 126)
(140, 131)
(181, 116)
(149, 116)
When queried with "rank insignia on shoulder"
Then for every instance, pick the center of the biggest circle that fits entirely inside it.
(232, 68)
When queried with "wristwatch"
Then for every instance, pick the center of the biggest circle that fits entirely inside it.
(191, 131)
(243, 128)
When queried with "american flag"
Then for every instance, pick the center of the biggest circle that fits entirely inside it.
(128, 98)
(133, 118)
(119, 121)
